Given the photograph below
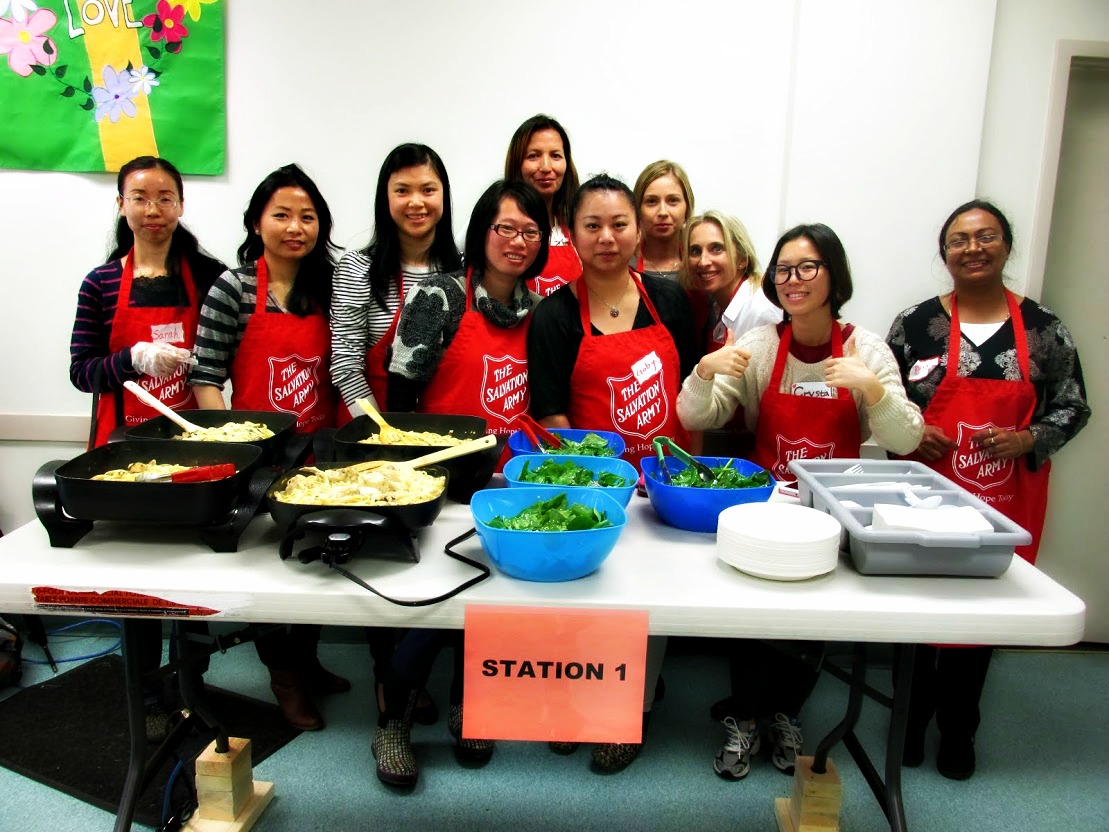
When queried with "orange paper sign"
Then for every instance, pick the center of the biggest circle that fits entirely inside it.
(569, 675)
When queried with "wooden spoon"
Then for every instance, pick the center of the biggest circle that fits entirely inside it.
(389, 434)
(468, 447)
(156, 403)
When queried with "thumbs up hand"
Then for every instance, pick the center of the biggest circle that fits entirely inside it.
(729, 360)
(852, 373)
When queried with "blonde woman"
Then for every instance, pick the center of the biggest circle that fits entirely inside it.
(663, 201)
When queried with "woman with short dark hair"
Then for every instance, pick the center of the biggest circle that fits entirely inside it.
(1001, 387)
(810, 388)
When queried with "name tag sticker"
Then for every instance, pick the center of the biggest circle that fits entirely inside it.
(813, 389)
(568, 675)
(167, 333)
(647, 367)
(923, 367)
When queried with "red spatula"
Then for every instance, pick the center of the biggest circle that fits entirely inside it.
(202, 473)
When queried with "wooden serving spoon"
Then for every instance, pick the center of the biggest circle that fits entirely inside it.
(156, 403)
(468, 447)
(389, 434)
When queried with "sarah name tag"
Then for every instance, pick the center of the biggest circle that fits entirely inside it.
(923, 367)
(814, 390)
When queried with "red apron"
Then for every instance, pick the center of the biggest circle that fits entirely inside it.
(483, 373)
(377, 374)
(281, 364)
(804, 427)
(167, 324)
(563, 266)
(963, 406)
(639, 404)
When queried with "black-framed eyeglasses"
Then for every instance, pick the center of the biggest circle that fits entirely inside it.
(164, 203)
(530, 235)
(963, 243)
(805, 270)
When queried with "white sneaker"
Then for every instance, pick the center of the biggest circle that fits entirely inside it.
(733, 761)
(785, 733)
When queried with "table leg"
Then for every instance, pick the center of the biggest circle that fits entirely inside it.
(887, 792)
(136, 724)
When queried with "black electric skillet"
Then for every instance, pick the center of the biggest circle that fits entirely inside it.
(467, 473)
(275, 449)
(196, 503)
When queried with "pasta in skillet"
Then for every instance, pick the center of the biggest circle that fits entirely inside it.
(384, 485)
(129, 473)
(229, 432)
(413, 437)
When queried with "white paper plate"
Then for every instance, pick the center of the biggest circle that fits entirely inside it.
(778, 541)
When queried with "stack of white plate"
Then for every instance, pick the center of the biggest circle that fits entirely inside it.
(780, 541)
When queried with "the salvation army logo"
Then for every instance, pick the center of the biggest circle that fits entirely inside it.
(973, 465)
(504, 387)
(548, 285)
(789, 450)
(639, 408)
(293, 384)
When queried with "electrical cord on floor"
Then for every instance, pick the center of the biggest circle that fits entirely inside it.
(174, 818)
(97, 655)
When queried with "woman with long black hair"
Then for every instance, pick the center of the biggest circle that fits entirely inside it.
(413, 239)
(261, 325)
(137, 313)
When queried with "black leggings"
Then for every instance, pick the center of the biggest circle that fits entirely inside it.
(948, 683)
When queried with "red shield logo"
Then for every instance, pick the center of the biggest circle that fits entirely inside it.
(504, 387)
(974, 466)
(789, 450)
(548, 285)
(639, 408)
(294, 384)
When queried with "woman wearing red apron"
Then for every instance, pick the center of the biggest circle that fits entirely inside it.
(721, 269)
(136, 321)
(1000, 384)
(460, 348)
(413, 238)
(539, 154)
(136, 315)
(264, 327)
(608, 353)
(810, 389)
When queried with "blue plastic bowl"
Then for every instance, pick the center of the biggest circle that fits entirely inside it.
(518, 443)
(698, 509)
(596, 464)
(545, 556)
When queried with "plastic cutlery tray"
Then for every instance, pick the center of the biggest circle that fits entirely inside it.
(824, 483)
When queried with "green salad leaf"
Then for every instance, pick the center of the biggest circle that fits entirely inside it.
(552, 472)
(725, 476)
(557, 514)
(590, 445)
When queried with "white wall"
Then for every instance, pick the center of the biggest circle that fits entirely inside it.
(781, 113)
(1016, 128)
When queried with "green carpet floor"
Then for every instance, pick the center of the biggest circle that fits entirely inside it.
(1043, 758)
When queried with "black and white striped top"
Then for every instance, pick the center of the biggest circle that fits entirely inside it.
(358, 321)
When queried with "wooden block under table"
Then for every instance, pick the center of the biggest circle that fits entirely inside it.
(815, 800)
(807, 783)
(224, 804)
(263, 794)
(782, 807)
(230, 765)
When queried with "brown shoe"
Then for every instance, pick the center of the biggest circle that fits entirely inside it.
(296, 705)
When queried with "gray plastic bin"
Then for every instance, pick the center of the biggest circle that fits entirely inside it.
(823, 483)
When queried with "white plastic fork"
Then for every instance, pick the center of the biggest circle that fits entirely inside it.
(854, 469)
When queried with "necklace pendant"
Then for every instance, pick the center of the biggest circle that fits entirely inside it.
(614, 312)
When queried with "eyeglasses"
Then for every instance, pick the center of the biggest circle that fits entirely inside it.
(164, 203)
(530, 235)
(963, 243)
(806, 270)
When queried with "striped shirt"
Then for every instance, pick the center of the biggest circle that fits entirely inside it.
(223, 320)
(92, 325)
(358, 321)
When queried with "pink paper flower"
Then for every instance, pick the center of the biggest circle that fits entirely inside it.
(166, 24)
(25, 44)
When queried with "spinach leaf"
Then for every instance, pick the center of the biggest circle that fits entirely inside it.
(725, 476)
(552, 472)
(590, 445)
(557, 514)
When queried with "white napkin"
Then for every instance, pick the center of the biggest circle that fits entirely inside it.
(951, 519)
